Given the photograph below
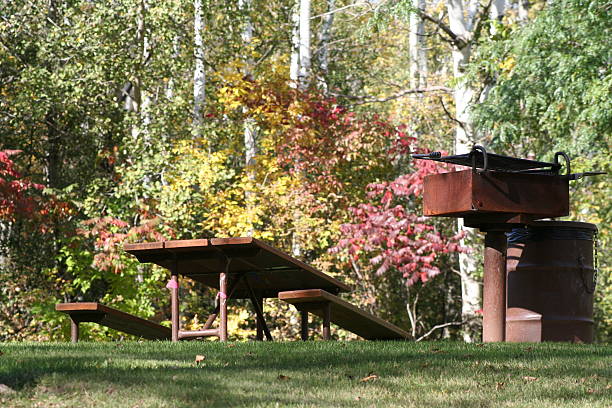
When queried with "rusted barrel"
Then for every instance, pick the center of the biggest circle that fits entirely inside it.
(551, 282)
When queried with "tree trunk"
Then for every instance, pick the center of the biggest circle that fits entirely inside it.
(304, 63)
(523, 11)
(250, 127)
(199, 75)
(324, 37)
(465, 138)
(418, 54)
(294, 68)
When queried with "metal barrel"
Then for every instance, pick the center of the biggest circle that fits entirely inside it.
(551, 280)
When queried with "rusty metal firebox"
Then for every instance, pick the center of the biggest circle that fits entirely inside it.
(498, 194)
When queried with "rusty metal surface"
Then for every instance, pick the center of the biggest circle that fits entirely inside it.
(551, 278)
(471, 194)
(494, 291)
(523, 326)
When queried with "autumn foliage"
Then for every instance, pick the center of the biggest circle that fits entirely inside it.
(391, 234)
(16, 198)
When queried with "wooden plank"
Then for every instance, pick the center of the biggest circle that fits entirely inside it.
(186, 243)
(74, 307)
(344, 314)
(143, 246)
(115, 319)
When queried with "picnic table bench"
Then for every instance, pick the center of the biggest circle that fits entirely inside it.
(113, 318)
(335, 310)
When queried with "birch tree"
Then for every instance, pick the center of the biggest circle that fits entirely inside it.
(324, 39)
(250, 127)
(304, 74)
(418, 55)
(294, 67)
(199, 74)
(466, 21)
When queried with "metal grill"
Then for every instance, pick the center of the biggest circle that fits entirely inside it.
(481, 159)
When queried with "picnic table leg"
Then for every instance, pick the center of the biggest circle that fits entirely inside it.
(223, 301)
(326, 321)
(213, 316)
(174, 291)
(74, 330)
(304, 324)
(260, 333)
(258, 311)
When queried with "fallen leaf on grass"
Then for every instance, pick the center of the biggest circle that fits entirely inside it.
(528, 378)
(199, 358)
(282, 377)
(500, 385)
(369, 377)
(529, 349)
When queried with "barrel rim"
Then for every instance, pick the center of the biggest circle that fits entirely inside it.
(564, 224)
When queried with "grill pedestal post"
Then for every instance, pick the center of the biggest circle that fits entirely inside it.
(494, 293)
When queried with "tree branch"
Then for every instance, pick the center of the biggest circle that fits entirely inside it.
(456, 40)
(451, 117)
(479, 21)
(441, 326)
(369, 99)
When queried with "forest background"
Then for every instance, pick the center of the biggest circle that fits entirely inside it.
(289, 121)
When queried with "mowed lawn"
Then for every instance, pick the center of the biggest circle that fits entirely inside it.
(305, 374)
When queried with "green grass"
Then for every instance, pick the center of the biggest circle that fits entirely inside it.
(305, 374)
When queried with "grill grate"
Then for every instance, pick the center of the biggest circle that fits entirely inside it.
(479, 158)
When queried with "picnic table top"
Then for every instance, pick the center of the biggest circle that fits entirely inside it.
(267, 269)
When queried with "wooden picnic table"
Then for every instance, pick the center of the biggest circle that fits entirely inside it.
(238, 268)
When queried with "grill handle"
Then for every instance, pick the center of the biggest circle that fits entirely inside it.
(557, 166)
(485, 159)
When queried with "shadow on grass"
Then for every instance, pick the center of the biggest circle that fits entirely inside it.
(252, 373)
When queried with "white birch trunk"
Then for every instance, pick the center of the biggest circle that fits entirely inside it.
(523, 11)
(304, 75)
(324, 37)
(304, 59)
(140, 100)
(294, 68)
(418, 55)
(250, 127)
(199, 74)
(470, 287)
